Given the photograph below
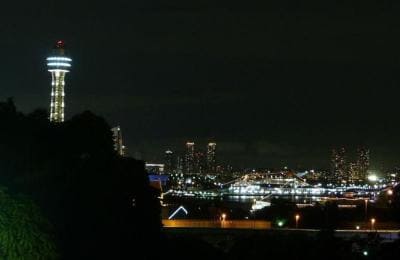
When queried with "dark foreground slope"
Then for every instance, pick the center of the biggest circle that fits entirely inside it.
(99, 204)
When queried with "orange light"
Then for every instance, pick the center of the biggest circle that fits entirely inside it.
(223, 216)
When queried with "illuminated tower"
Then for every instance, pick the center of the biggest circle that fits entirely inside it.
(189, 157)
(169, 162)
(211, 157)
(363, 162)
(117, 139)
(199, 162)
(338, 166)
(58, 65)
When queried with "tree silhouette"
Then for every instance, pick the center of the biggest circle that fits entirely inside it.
(101, 205)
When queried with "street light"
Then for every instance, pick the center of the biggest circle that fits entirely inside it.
(372, 223)
(223, 216)
(297, 217)
(389, 194)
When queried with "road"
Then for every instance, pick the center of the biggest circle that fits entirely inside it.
(212, 226)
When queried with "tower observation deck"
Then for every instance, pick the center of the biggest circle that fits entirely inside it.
(58, 65)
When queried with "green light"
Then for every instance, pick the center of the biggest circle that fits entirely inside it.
(280, 223)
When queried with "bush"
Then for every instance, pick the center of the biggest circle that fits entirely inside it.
(24, 232)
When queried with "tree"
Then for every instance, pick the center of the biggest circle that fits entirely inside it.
(71, 171)
(24, 232)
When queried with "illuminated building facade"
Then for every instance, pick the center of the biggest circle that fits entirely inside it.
(117, 139)
(180, 164)
(189, 157)
(58, 65)
(354, 173)
(155, 168)
(339, 172)
(199, 162)
(169, 162)
(211, 157)
(363, 162)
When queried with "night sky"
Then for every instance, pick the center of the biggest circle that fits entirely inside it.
(272, 84)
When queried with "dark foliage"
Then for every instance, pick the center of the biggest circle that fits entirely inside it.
(24, 232)
(99, 203)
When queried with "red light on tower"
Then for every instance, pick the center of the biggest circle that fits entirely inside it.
(60, 44)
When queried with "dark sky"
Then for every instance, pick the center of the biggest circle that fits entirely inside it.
(272, 84)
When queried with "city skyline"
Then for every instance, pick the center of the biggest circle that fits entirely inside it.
(277, 88)
(343, 163)
(199, 129)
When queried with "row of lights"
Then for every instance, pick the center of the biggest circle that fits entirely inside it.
(297, 218)
(373, 220)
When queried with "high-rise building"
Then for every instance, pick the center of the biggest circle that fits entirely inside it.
(180, 164)
(189, 157)
(58, 65)
(169, 162)
(353, 173)
(339, 172)
(199, 162)
(117, 139)
(155, 168)
(363, 162)
(211, 157)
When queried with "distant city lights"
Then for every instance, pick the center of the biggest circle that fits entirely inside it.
(372, 177)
